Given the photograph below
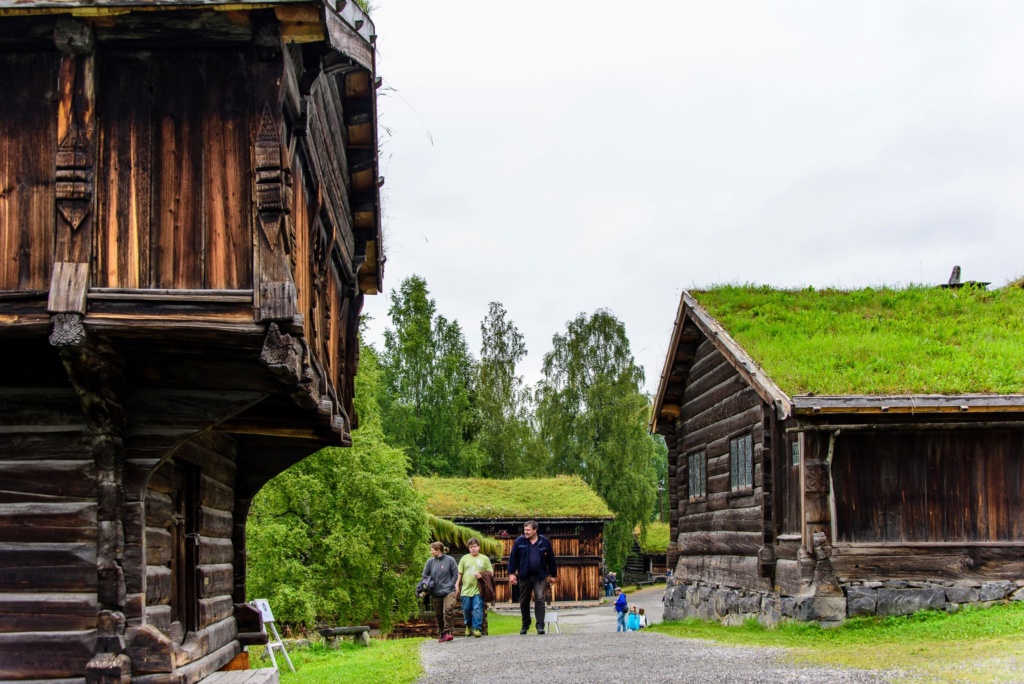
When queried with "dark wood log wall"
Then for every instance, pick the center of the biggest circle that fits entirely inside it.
(718, 536)
(211, 642)
(48, 535)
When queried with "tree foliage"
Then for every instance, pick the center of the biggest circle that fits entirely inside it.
(429, 379)
(340, 537)
(507, 437)
(593, 419)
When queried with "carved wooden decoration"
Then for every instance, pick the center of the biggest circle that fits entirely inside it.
(270, 205)
(74, 173)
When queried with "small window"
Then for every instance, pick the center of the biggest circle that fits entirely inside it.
(796, 453)
(741, 462)
(698, 470)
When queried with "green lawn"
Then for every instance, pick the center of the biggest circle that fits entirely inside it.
(970, 646)
(394, 661)
(498, 624)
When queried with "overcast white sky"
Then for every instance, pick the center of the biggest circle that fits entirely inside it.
(560, 157)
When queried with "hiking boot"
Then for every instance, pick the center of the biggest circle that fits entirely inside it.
(447, 637)
(477, 633)
(524, 630)
(540, 630)
(469, 631)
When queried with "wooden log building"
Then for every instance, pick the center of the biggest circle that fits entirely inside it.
(189, 219)
(567, 511)
(820, 470)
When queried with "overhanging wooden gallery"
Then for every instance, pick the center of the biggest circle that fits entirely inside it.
(189, 219)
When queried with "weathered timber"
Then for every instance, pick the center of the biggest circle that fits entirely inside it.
(719, 542)
(200, 642)
(928, 561)
(215, 580)
(742, 572)
(43, 655)
(150, 650)
(35, 612)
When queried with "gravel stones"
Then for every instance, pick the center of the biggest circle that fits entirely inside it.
(610, 658)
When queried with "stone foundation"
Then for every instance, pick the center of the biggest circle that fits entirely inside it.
(705, 601)
(904, 598)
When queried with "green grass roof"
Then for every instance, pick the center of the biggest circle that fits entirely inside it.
(556, 497)
(914, 340)
(456, 536)
(657, 538)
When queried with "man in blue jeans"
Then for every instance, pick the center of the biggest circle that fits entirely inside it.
(531, 567)
(471, 566)
(621, 609)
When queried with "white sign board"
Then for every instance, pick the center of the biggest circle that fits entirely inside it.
(263, 606)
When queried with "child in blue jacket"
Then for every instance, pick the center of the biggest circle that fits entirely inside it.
(620, 610)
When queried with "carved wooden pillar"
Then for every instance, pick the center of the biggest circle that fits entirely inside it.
(274, 286)
(816, 451)
(73, 179)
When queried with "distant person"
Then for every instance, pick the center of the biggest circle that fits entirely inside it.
(471, 569)
(621, 608)
(531, 567)
(643, 618)
(609, 584)
(441, 568)
(633, 620)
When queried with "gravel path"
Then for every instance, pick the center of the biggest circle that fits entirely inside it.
(588, 650)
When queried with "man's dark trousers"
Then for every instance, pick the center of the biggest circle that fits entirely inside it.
(537, 587)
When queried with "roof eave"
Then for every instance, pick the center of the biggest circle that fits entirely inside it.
(804, 405)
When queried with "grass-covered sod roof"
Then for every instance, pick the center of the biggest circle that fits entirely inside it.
(914, 340)
(560, 497)
(457, 536)
(656, 541)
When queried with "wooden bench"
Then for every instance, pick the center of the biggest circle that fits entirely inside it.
(266, 675)
(360, 634)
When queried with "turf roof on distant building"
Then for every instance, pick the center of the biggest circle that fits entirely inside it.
(884, 341)
(656, 541)
(563, 498)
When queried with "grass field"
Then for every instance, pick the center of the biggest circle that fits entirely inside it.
(382, 662)
(976, 646)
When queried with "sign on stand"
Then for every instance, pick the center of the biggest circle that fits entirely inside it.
(267, 615)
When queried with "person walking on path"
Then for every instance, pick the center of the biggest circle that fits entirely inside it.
(441, 568)
(620, 610)
(531, 567)
(471, 569)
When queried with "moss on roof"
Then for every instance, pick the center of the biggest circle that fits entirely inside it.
(656, 541)
(556, 497)
(913, 340)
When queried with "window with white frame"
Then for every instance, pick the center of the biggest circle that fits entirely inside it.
(741, 462)
(698, 470)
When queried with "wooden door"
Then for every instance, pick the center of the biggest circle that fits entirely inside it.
(184, 550)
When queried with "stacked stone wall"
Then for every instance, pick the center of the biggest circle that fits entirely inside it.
(731, 606)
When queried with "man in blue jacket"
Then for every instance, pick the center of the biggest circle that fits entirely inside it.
(531, 566)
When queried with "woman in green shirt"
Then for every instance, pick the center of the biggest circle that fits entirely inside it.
(471, 566)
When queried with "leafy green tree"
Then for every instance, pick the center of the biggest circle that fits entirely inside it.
(429, 376)
(341, 536)
(507, 436)
(593, 418)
